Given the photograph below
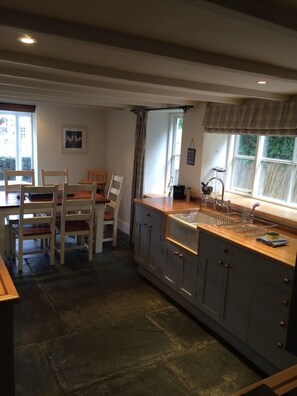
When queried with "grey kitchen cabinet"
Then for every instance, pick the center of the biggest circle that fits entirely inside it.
(148, 249)
(225, 284)
(179, 270)
(269, 313)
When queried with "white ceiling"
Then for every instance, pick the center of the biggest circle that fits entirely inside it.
(156, 53)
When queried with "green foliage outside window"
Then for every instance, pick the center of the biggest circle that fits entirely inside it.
(279, 147)
(247, 145)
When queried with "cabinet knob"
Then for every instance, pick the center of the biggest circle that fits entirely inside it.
(280, 344)
(148, 215)
(226, 265)
(181, 255)
(176, 253)
(286, 280)
(282, 323)
(225, 250)
(285, 302)
(220, 262)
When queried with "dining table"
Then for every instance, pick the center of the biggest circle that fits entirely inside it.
(10, 204)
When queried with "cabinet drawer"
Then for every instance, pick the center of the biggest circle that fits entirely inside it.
(274, 297)
(148, 216)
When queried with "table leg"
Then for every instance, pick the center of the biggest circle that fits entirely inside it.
(2, 234)
(99, 228)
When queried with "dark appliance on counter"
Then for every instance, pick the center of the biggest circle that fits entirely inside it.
(179, 191)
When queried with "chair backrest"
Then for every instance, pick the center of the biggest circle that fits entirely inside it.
(35, 200)
(78, 203)
(51, 177)
(98, 176)
(114, 194)
(13, 179)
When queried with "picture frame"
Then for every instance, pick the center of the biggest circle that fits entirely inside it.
(74, 139)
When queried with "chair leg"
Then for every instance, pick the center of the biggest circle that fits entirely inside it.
(52, 250)
(20, 257)
(114, 234)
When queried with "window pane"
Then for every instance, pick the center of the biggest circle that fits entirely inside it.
(275, 180)
(279, 147)
(15, 141)
(294, 193)
(243, 174)
(246, 145)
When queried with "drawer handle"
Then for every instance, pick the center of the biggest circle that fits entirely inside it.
(280, 345)
(286, 280)
(285, 302)
(225, 250)
(282, 323)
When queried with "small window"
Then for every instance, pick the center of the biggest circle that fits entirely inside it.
(175, 148)
(16, 143)
(265, 167)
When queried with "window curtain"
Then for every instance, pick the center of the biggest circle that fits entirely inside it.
(17, 107)
(265, 118)
(139, 160)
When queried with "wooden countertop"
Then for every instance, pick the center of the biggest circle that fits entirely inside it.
(8, 293)
(168, 204)
(285, 254)
(280, 383)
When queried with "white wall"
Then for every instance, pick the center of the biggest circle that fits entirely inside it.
(120, 140)
(190, 175)
(50, 120)
(211, 151)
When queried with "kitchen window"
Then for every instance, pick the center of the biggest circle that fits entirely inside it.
(175, 141)
(264, 167)
(16, 141)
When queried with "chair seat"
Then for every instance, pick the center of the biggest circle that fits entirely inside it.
(108, 216)
(75, 225)
(33, 229)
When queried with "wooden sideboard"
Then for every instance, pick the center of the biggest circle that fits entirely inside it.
(8, 297)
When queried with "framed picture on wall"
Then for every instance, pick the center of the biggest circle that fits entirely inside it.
(74, 139)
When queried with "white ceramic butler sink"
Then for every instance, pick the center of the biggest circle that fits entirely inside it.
(182, 228)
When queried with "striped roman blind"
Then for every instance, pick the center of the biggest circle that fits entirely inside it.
(264, 118)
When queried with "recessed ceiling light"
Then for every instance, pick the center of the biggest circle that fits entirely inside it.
(262, 82)
(26, 39)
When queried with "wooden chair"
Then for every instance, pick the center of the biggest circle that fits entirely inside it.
(110, 224)
(97, 176)
(51, 177)
(13, 179)
(32, 225)
(77, 216)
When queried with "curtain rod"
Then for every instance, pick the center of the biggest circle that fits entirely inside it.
(184, 108)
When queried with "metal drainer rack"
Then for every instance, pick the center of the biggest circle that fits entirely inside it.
(249, 226)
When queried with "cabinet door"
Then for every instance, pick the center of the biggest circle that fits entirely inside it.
(187, 279)
(141, 243)
(171, 265)
(236, 295)
(180, 270)
(225, 284)
(268, 324)
(148, 242)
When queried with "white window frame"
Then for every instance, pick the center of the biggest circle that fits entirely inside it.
(19, 136)
(171, 155)
(259, 159)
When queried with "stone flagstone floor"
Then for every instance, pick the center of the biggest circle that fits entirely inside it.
(99, 328)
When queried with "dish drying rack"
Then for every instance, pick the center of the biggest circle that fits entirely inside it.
(243, 223)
